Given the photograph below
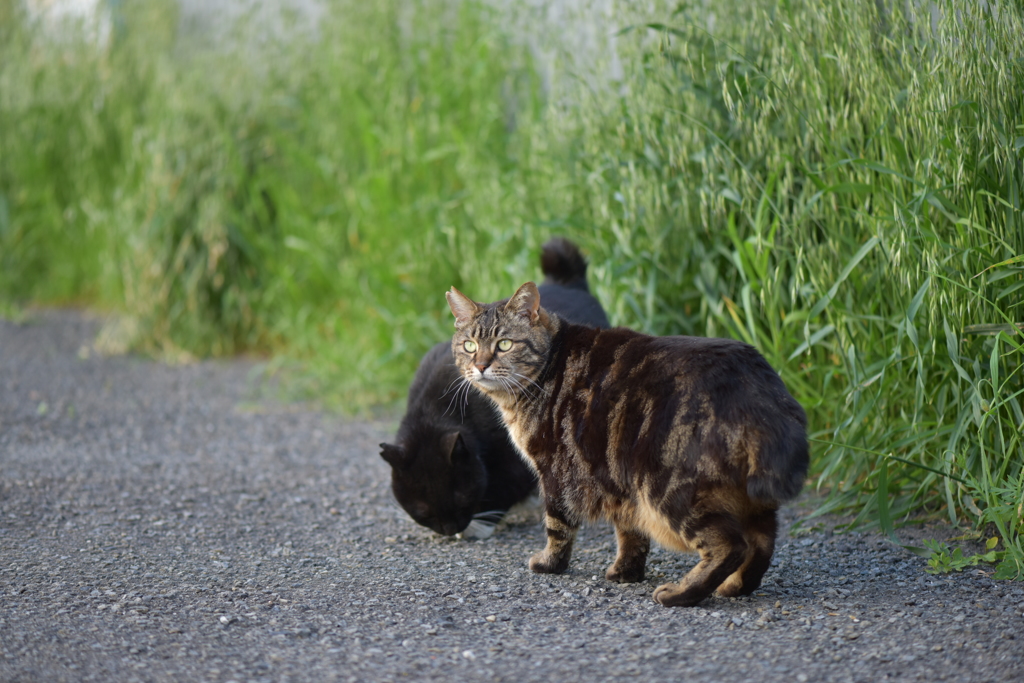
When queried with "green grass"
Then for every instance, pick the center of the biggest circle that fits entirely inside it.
(313, 203)
(839, 184)
(842, 189)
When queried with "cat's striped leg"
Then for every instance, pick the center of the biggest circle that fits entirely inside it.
(631, 561)
(554, 559)
(760, 535)
(718, 537)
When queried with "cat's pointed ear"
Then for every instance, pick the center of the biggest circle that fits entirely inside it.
(455, 447)
(463, 308)
(393, 455)
(525, 302)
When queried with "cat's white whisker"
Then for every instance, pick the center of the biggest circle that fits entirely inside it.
(490, 516)
(460, 398)
(512, 384)
(529, 380)
(524, 389)
(454, 384)
(454, 401)
(467, 387)
(531, 384)
(507, 383)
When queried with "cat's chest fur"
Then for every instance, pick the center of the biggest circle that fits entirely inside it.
(519, 431)
(544, 425)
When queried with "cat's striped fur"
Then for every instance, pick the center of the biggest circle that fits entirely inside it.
(689, 441)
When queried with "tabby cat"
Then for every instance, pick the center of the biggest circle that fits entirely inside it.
(687, 441)
(453, 468)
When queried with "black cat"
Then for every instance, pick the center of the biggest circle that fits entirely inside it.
(453, 467)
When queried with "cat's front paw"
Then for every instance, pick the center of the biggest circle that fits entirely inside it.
(546, 563)
(625, 572)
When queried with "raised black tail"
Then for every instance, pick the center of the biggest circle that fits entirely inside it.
(563, 264)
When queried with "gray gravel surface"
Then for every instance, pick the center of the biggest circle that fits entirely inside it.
(160, 523)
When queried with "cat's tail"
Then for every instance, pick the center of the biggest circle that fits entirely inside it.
(563, 264)
(780, 466)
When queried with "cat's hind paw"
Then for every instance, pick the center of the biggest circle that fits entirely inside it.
(675, 595)
(627, 573)
(733, 587)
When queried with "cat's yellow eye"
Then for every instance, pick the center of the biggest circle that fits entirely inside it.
(470, 347)
(504, 344)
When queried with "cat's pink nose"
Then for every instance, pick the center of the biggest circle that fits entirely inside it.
(481, 367)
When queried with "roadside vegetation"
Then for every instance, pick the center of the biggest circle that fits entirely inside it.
(841, 185)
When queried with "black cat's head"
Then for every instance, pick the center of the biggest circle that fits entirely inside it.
(437, 479)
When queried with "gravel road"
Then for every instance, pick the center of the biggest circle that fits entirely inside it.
(164, 524)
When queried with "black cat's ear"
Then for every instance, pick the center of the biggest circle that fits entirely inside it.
(455, 447)
(525, 302)
(393, 455)
(463, 308)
